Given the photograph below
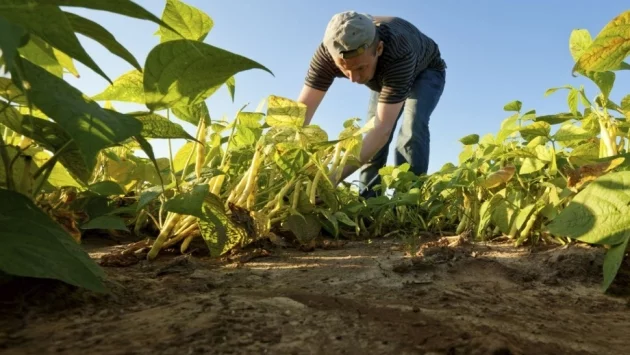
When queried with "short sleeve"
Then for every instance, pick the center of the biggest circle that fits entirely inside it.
(322, 70)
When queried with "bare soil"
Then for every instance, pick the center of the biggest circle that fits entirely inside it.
(454, 297)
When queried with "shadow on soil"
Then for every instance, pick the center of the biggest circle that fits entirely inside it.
(453, 297)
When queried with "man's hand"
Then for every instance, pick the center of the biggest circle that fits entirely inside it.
(376, 138)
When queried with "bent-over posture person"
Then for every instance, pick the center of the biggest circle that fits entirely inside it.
(406, 73)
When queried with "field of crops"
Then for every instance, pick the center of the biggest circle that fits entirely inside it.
(243, 224)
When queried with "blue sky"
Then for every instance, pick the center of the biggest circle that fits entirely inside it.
(496, 52)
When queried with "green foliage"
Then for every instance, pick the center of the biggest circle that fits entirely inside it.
(34, 245)
(541, 178)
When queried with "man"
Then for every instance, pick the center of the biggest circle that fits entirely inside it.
(403, 68)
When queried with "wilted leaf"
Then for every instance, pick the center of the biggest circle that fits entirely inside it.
(499, 177)
(586, 173)
(187, 72)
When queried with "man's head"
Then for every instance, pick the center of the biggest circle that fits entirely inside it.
(352, 40)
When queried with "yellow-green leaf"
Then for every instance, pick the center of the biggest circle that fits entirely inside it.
(187, 72)
(470, 139)
(609, 48)
(284, 112)
(188, 21)
(127, 88)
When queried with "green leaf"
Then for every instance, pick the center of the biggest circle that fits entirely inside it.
(508, 126)
(50, 136)
(192, 114)
(583, 154)
(531, 165)
(571, 133)
(147, 197)
(218, 230)
(609, 48)
(515, 105)
(535, 129)
(157, 126)
(613, 260)
(579, 41)
(91, 126)
(557, 118)
(470, 139)
(190, 202)
(148, 150)
(599, 214)
(284, 112)
(106, 222)
(180, 158)
(625, 105)
(33, 245)
(47, 21)
(305, 227)
(121, 7)
(552, 90)
(127, 88)
(42, 54)
(190, 22)
(291, 161)
(231, 85)
(573, 101)
(10, 92)
(10, 41)
(106, 188)
(604, 80)
(66, 62)
(187, 72)
(101, 35)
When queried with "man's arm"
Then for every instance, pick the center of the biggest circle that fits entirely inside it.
(311, 97)
(376, 138)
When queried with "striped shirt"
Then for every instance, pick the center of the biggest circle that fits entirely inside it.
(406, 53)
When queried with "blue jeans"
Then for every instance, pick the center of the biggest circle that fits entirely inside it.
(413, 141)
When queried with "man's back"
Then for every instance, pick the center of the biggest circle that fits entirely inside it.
(407, 52)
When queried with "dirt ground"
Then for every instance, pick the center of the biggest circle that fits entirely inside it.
(365, 297)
